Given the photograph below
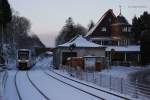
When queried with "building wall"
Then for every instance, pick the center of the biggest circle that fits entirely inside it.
(100, 52)
(123, 58)
(56, 58)
(86, 51)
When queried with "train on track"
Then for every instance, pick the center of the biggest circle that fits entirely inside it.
(25, 59)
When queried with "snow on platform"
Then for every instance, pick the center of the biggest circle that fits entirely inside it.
(123, 48)
(112, 80)
(122, 71)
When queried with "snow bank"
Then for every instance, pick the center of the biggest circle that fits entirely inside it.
(121, 71)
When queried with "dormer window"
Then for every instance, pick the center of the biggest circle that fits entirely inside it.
(103, 29)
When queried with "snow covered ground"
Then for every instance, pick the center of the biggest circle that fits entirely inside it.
(119, 79)
(10, 90)
(56, 90)
(26, 89)
(87, 88)
(11, 63)
(52, 88)
(122, 72)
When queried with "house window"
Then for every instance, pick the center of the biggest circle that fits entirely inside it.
(129, 29)
(103, 29)
(109, 20)
(124, 29)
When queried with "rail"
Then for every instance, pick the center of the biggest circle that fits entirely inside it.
(4, 79)
(133, 89)
(4, 75)
(47, 98)
(17, 89)
(74, 86)
(92, 86)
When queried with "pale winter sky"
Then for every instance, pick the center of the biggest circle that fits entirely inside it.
(48, 16)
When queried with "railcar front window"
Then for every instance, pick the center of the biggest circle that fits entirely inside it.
(23, 55)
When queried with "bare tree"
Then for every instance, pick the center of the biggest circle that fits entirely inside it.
(18, 31)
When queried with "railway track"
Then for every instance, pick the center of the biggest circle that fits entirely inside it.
(74, 87)
(5, 79)
(17, 89)
(92, 86)
(47, 98)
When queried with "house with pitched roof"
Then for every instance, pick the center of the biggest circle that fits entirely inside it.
(114, 32)
(77, 47)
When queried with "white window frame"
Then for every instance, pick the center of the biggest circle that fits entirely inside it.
(125, 29)
(103, 29)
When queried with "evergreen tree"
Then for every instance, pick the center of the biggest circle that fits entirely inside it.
(66, 32)
(145, 47)
(79, 29)
(141, 31)
(140, 28)
(135, 29)
(5, 12)
(144, 21)
(69, 31)
(91, 25)
(5, 17)
(140, 24)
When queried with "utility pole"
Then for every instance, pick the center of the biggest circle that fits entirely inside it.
(120, 9)
(0, 34)
(2, 42)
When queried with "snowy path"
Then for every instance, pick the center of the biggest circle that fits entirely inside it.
(26, 89)
(57, 90)
(86, 88)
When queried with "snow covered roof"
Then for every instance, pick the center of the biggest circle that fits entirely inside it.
(48, 52)
(123, 48)
(89, 56)
(80, 41)
(101, 38)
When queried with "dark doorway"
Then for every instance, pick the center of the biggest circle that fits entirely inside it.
(65, 55)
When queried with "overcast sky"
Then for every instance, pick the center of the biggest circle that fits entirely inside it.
(48, 16)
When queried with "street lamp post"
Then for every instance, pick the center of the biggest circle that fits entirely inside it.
(111, 57)
(1, 28)
(71, 47)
